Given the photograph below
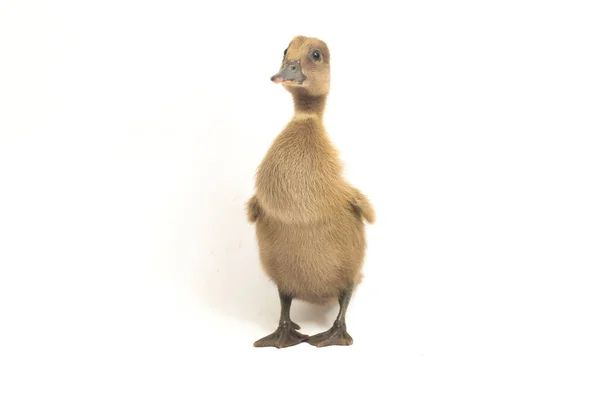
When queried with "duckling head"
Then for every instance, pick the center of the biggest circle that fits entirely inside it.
(305, 67)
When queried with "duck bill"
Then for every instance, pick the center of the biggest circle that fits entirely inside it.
(289, 73)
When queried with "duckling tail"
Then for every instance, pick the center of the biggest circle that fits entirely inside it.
(363, 206)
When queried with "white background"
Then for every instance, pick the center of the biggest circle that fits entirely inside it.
(130, 132)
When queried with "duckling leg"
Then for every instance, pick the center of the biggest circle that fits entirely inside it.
(286, 334)
(337, 334)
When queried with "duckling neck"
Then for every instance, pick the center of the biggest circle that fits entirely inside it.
(305, 104)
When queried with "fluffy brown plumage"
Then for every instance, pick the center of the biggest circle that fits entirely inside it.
(309, 220)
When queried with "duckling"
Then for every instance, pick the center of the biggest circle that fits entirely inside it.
(310, 222)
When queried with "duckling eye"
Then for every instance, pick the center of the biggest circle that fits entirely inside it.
(284, 52)
(316, 55)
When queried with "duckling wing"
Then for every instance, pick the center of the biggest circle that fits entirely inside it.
(362, 205)
(253, 209)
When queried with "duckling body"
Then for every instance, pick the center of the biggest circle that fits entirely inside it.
(309, 220)
(311, 240)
